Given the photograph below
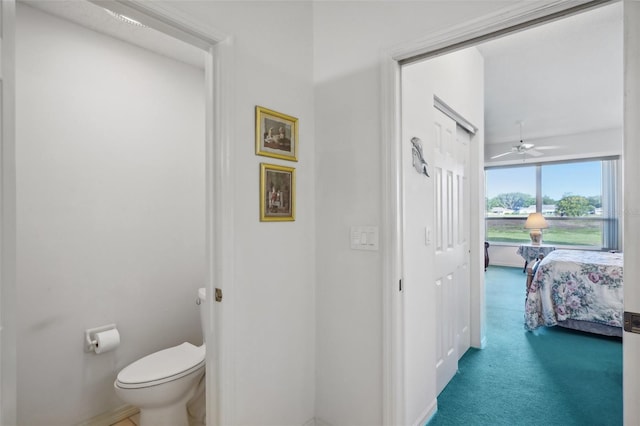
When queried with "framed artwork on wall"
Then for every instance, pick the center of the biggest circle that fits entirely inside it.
(276, 134)
(277, 193)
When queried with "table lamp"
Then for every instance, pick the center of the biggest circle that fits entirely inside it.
(536, 222)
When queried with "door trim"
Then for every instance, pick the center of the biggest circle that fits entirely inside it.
(8, 328)
(219, 189)
(462, 122)
(631, 210)
(510, 19)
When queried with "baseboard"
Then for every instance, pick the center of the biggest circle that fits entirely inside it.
(310, 422)
(321, 422)
(426, 415)
(483, 343)
(126, 411)
(508, 264)
(111, 417)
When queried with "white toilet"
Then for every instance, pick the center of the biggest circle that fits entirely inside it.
(162, 383)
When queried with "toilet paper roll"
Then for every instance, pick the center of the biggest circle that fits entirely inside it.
(107, 340)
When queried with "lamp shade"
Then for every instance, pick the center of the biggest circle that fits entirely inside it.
(536, 221)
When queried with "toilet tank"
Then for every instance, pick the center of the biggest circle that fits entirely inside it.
(202, 300)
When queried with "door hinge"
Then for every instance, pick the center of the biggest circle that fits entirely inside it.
(218, 295)
(631, 322)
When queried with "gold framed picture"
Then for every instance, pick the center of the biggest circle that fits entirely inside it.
(276, 134)
(277, 193)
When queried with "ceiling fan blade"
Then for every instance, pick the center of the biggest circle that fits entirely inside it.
(527, 145)
(534, 152)
(545, 148)
(501, 155)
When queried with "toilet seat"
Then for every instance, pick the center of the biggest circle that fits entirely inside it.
(162, 366)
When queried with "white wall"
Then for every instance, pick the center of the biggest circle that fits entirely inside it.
(349, 38)
(110, 184)
(272, 326)
(505, 255)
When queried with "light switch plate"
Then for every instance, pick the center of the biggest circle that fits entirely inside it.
(364, 238)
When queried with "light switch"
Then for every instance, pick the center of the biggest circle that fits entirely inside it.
(355, 237)
(364, 238)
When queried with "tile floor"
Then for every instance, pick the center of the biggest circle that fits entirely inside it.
(131, 421)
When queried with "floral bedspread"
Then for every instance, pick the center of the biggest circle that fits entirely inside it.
(578, 285)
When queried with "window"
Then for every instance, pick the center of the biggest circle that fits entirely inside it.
(579, 200)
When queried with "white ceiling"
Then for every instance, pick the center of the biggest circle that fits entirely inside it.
(98, 19)
(561, 78)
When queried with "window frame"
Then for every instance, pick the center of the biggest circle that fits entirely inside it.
(610, 221)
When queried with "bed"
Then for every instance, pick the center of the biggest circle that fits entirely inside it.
(576, 289)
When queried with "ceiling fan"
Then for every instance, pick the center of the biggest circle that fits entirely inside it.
(523, 148)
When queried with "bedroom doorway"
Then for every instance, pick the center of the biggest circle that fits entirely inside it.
(395, 410)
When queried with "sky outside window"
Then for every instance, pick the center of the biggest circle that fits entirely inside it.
(516, 179)
(583, 178)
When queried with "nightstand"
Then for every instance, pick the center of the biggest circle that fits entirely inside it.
(530, 252)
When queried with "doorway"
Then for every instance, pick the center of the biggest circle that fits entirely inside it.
(213, 130)
(394, 411)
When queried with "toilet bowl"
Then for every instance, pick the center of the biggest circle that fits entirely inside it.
(162, 383)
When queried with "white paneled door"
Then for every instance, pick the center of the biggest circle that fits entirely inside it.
(451, 250)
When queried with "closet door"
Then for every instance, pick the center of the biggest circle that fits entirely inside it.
(451, 248)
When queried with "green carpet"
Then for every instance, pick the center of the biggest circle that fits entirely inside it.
(551, 376)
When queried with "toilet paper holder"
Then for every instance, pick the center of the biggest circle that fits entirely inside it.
(90, 336)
